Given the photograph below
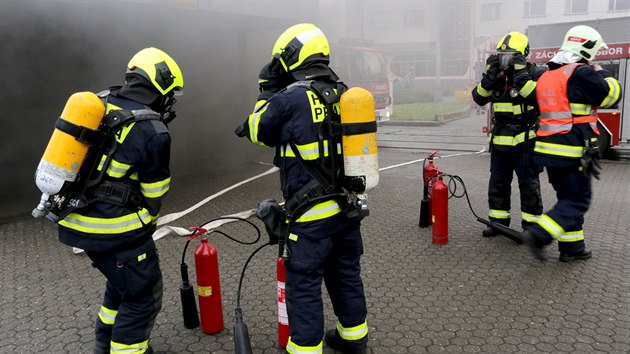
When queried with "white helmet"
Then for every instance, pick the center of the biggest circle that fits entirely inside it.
(583, 41)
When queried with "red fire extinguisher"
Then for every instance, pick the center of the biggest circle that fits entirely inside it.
(283, 317)
(208, 287)
(439, 211)
(429, 171)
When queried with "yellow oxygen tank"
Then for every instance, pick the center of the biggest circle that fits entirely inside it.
(64, 154)
(360, 153)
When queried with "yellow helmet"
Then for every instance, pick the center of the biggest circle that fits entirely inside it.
(514, 42)
(299, 43)
(159, 68)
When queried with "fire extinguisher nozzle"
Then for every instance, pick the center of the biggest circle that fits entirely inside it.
(242, 344)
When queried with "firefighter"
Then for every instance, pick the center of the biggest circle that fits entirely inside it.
(569, 95)
(509, 84)
(324, 237)
(116, 225)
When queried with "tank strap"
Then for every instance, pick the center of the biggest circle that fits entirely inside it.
(120, 193)
(358, 128)
(82, 134)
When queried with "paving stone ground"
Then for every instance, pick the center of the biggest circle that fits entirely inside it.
(472, 295)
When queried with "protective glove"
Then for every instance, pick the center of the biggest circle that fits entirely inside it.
(492, 75)
(272, 215)
(521, 74)
(242, 130)
(590, 159)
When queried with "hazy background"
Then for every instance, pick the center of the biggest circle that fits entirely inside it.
(434, 50)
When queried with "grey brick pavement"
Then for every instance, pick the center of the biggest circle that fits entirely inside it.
(473, 295)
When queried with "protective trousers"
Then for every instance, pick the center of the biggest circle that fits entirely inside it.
(132, 300)
(564, 221)
(328, 249)
(503, 164)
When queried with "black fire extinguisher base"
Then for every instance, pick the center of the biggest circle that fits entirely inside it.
(189, 306)
(424, 213)
(242, 343)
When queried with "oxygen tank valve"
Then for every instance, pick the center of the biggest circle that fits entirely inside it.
(42, 208)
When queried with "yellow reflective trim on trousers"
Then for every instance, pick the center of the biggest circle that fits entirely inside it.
(614, 90)
(107, 316)
(507, 140)
(299, 349)
(254, 121)
(483, 92)
(116, 225)
(320, 211)
(571, 236)
(529, 217)
(528, 88)
(155, 189)
(499, 214)
(553, 228)
(352, 333)
(558, 149)
(135, 348)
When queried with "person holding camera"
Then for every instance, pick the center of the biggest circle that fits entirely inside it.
(509, 84)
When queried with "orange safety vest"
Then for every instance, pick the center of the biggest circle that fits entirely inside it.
(553, 102)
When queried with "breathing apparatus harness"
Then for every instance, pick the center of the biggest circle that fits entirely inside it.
(91, 184)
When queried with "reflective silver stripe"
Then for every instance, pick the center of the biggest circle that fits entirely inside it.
(310, 34)
(571, 236)
(529, 217)
(556, 115)
(499, 214)
(555, 127)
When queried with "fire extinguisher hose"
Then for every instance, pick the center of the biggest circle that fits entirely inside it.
(452, 188)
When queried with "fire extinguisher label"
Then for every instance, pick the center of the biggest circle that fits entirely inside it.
(205, 291)
(283, 318)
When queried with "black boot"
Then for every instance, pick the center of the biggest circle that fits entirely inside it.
(335, 342)
(489, 232)
(584, 253)
(536, 245)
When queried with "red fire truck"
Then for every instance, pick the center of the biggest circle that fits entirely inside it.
(616, 59)
(363, 66)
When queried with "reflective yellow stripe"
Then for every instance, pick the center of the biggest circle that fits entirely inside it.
(506, 107)
(571, 236)
(155, 189)
(529, 217)
(483, 92)
(115, 169)
(320, 211)
(254, 121)
(116, 225)
(508, 140)
(298, 349)
(293, 237)
(136, 348)
(499, 214)
(580, 109)
(528, 88)
(308, 151)
(353, 333)
(558, 149)
(552, 227)
(107, 316)
(614, 91)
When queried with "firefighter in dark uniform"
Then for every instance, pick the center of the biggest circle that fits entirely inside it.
(116, 225)
(509, 84)
(324, 241)
(569, 95)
